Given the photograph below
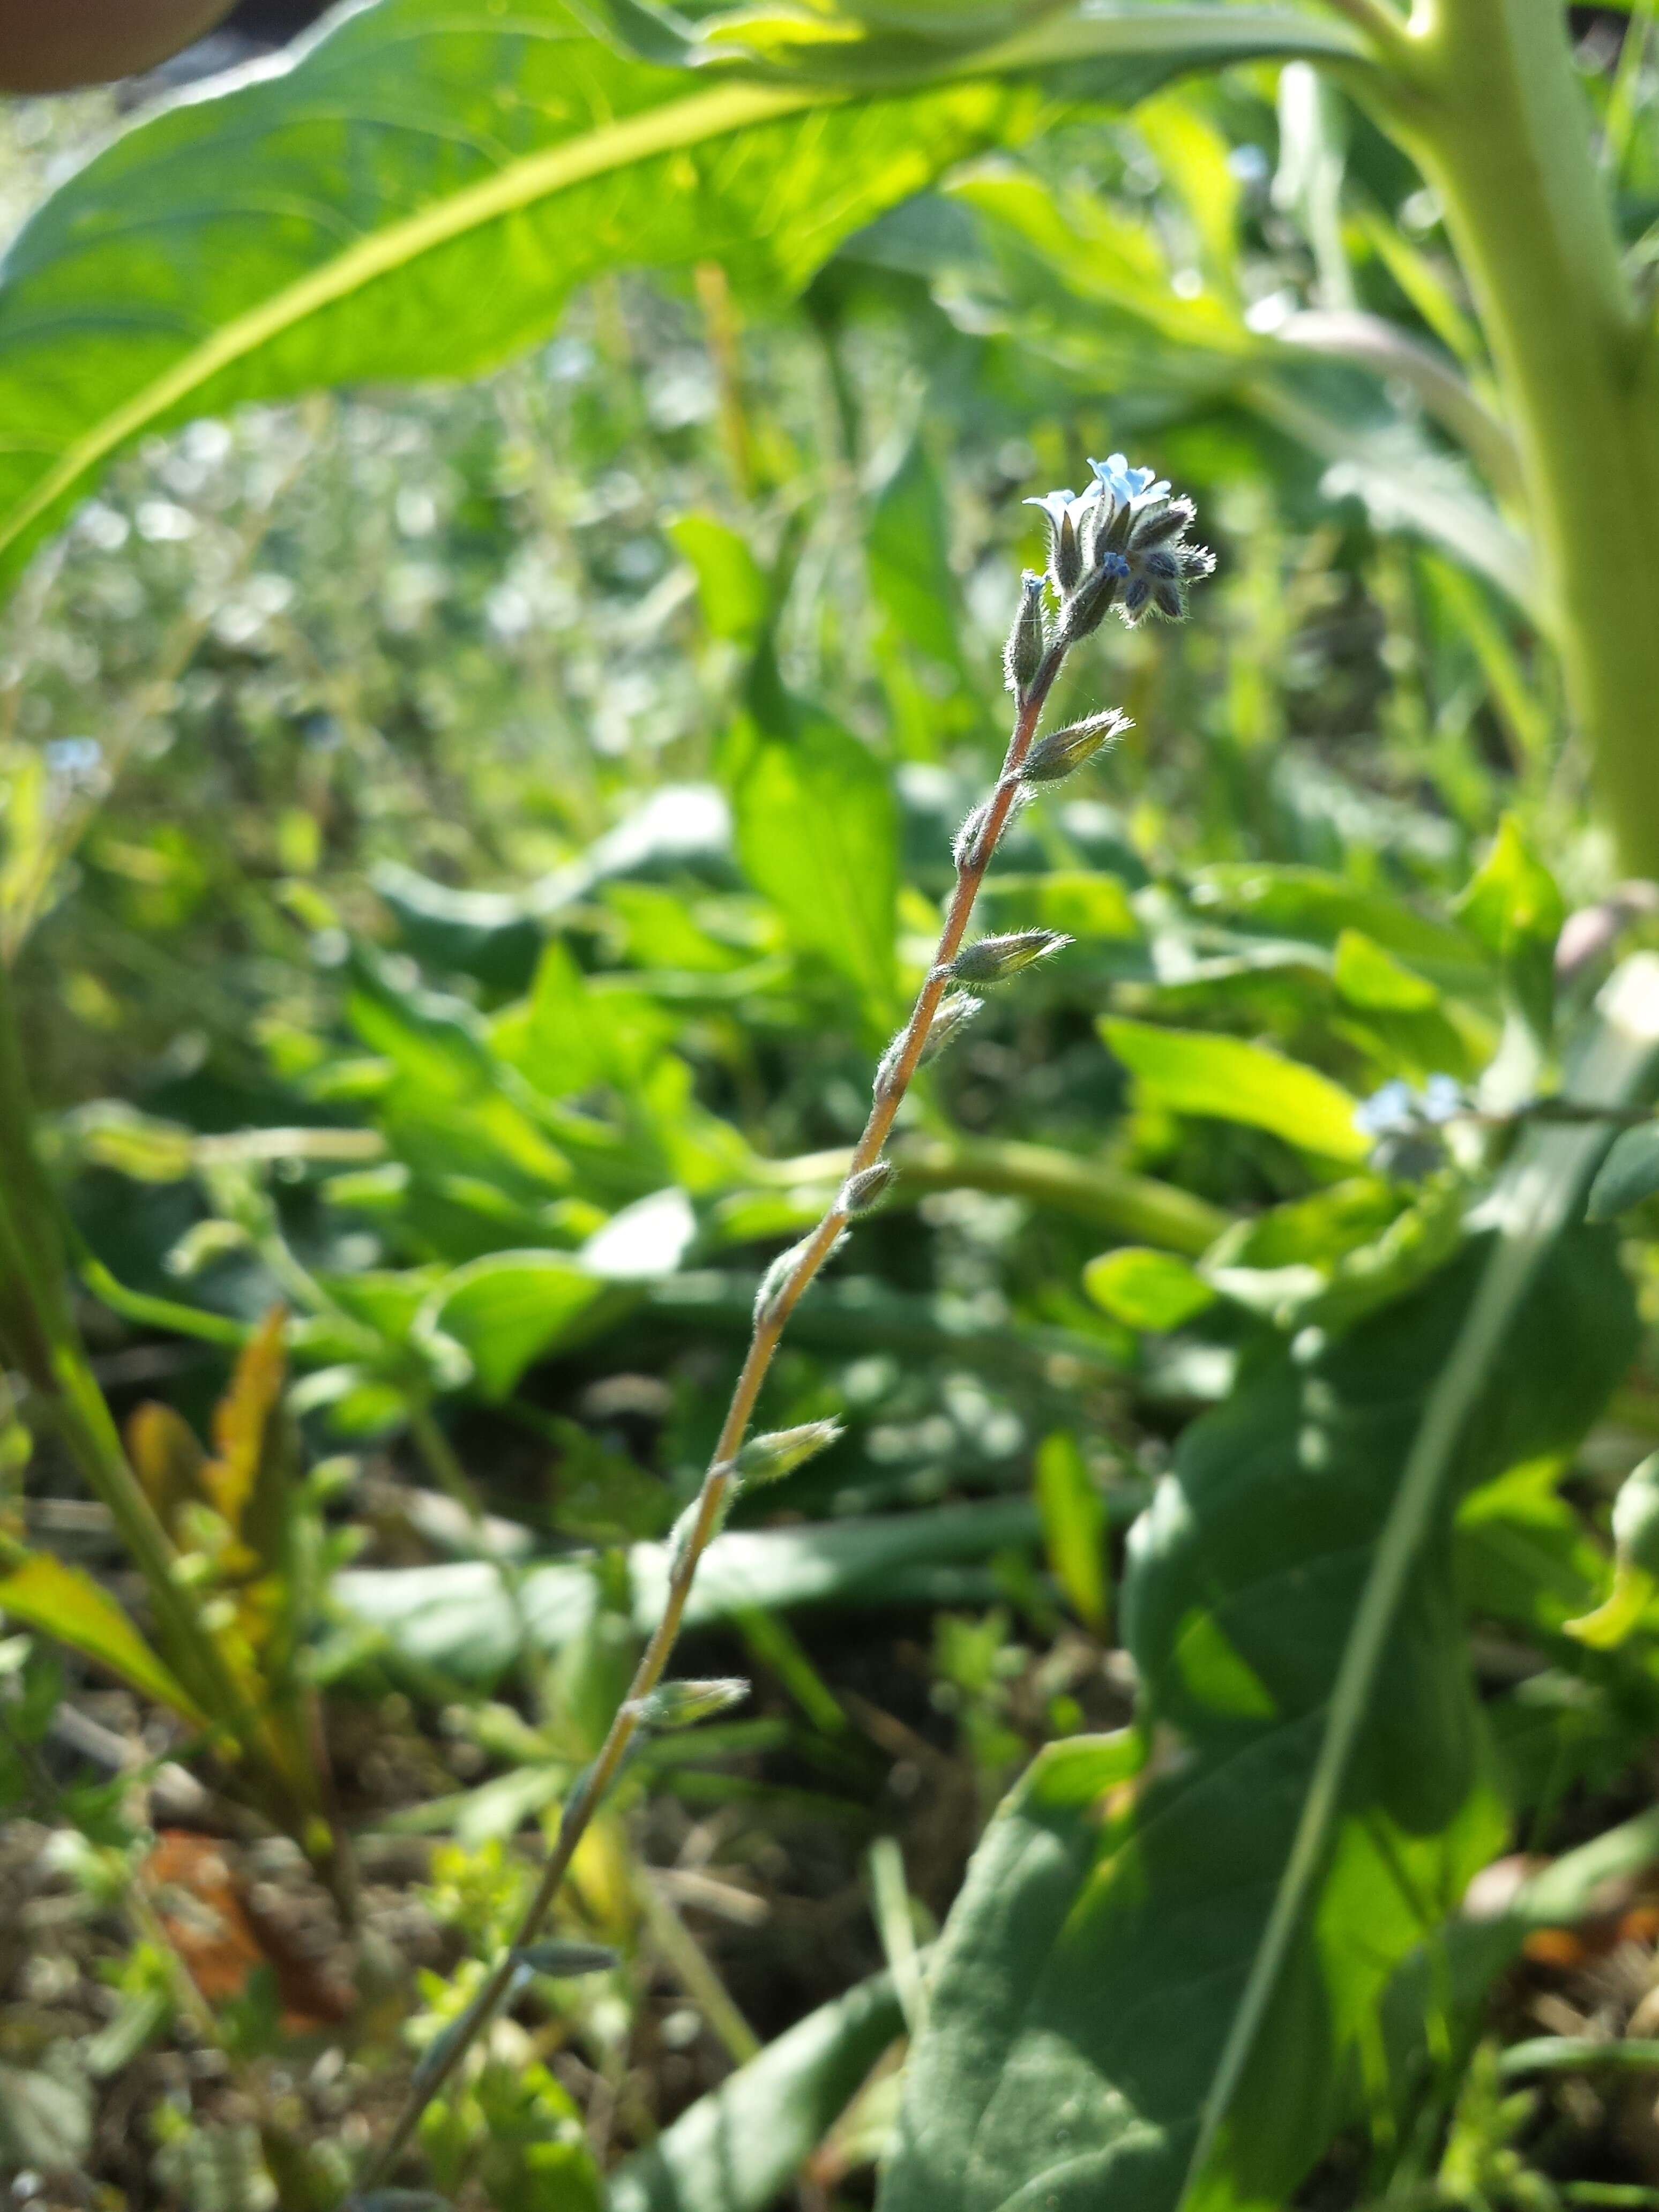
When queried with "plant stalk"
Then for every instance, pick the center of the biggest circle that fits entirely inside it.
(1487, 103)
(708, 1511)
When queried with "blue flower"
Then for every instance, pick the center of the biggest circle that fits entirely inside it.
(1072, 523)
(1125, 485)
(1397, 1110)
(1389, 1112)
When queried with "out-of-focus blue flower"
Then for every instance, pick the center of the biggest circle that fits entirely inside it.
(1389, 1112)
(1442, 1099)
(1397, 1110)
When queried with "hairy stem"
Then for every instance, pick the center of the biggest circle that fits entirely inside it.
(771, 1321)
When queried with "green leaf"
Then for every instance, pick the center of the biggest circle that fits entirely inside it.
(419, 193)
(734, 593)
(451, 1617)
(1629, 1174)
(1368, 975)
(1145, 1288)
(1073, 1527)
(1513, 908)
(64, 1602)
(738, 2148)
(1191, 1072)
(510, 1309)
(910, 571)
(1152, 1991)
(818, 832)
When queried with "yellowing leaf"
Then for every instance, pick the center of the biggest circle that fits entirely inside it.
(242, 1420)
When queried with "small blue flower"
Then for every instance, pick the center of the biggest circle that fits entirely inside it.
(1126, 485)
(1397, 1110)
(1113, 564)
(1057, 505)
(1442, 1100)
(1389, 1112)
(1072, 517)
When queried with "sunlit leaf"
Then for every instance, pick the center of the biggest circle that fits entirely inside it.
(1145, 1288)
(817, 831)
(510, 1309)
(1193, 1072)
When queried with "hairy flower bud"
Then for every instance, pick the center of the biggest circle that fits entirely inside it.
(679, 1536)
(1062, 751)
(776, 1280)
(769, 1458)
(994, 959)
(953, 1015)
(964, 850)
(1027, 641)
(861, 1191)
(681, 1704)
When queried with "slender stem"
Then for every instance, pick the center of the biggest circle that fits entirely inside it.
(1104, 1197)
(771, 1320)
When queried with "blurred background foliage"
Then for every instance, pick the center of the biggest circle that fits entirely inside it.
(461, 851)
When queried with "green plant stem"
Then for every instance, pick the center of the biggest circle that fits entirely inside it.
(1125, 1204)
(1487, 101)
(38, 1329)
(685, 1957)
(709, 1509)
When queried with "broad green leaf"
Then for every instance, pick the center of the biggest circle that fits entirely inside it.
(1629, 1174)
(1145, 1991)
(818, 832)
(910, 572)
(1306, 902)
(735, 596)
(1092, 1966)
(1073, 1527)
(1145, 1288)
(1513, 908)
(418, 193)
(1368, 975)
(509, 1310)
(1193, 1072)
(64, 1602)
(740, 2147)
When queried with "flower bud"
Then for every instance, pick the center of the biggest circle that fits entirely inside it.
(861, 1191)
(1062, 751)
(1023, 655)
(954, 1014)
(681, 1704)
(777, 1277)
(964, 850)
(994, 959)
(679, 1536)
(769, 1458)
(564, 1961)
